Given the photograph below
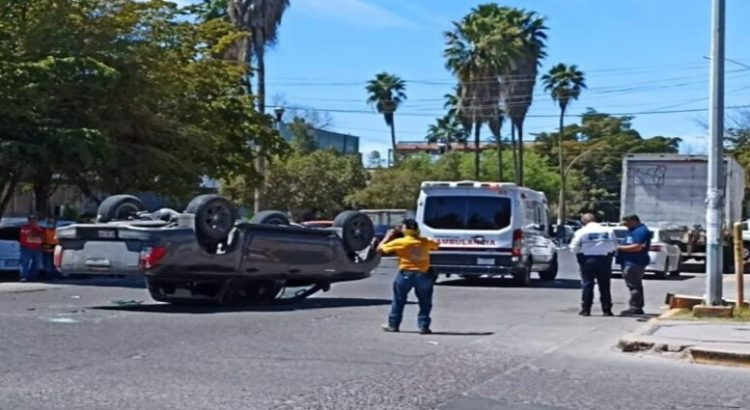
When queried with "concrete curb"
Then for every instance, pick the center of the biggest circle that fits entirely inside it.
(644, 343)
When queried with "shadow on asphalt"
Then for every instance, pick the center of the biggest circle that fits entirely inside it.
(651, 276)
(307, 304)
(434, 333)
(508, 283)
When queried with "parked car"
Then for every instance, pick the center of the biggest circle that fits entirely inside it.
(10, 253)
(664, 252)
(204, 254)
(488, 229)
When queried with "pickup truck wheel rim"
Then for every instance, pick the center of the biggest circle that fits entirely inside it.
(357, 233)
(217, 218)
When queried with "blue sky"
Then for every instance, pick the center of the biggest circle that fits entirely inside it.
(639, 55)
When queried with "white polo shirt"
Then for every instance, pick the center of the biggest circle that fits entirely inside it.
(594, 240)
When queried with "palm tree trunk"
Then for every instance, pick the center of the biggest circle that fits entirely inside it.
(520, 152)
(393, 140)
(513, 148)
(499, 159)
(260, 56)
(561, 199)
(477, 133)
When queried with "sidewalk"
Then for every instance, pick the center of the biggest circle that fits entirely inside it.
(708, 342)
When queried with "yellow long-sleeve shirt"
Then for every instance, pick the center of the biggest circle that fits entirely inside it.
(413, 252)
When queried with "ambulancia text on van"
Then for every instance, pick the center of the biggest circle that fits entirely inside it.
(487, 229)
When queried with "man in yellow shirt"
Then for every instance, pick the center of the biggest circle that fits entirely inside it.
(413, 253)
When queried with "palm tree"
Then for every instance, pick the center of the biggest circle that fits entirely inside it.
(456, 111)
(261, 19)
(476, 53)
(447, 129)
(387, 91)
(527, 36)
(564, 83)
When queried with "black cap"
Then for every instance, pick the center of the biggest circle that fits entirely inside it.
(631, 218)
(410, 223)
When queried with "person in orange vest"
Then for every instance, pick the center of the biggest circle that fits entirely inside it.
(31, 240)
(50, 241)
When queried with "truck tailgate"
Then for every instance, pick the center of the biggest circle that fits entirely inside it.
(102, 257)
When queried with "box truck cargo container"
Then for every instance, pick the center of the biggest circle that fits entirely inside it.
(668, 191)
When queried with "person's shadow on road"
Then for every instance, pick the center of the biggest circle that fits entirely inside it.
(508, 283)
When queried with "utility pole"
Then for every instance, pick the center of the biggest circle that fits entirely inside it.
(715, 193)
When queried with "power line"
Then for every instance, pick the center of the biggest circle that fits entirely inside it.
(407, 114)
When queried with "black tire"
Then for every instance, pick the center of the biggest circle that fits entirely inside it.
(357, 230)
(215, 217)
(523, 277)
(270, 218)
(551, 272)
(118, 208)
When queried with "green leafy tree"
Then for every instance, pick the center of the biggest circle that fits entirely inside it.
(303, 136)
(317, 183)
(564, 83)
(125, 96)
(386, 92)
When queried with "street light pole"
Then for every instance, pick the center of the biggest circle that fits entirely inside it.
(715, 192)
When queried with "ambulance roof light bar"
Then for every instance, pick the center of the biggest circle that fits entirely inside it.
(465, 184)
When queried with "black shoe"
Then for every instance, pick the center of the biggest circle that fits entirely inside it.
(425, 331)
(632, 312)
(585, 312)
(388, 328)
(607, 312)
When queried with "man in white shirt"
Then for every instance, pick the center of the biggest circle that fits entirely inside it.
(594, 246)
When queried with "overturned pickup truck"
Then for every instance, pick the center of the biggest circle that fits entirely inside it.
(205, 254)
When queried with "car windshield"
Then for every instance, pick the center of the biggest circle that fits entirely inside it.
(467, 212)
(10, 233)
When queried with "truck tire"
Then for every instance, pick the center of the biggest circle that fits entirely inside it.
(214, 217)
(118, 208)
(551, 272)
(270, 218)
(357, 230)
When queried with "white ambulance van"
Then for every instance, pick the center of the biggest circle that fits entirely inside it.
(487, 229)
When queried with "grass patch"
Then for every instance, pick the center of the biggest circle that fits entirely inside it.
(739, 315)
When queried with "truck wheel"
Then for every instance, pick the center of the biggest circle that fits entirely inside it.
(551, 272)
(118, 208)
(214, 217)
(746, 251)
(270, 218)
(357, 230)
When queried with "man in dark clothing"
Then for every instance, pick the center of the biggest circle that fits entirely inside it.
(634, 258)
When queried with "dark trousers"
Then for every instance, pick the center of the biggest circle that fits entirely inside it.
(596, 269)
(422, 283)
(633, 275)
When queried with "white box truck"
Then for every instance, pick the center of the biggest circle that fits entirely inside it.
(668, 191)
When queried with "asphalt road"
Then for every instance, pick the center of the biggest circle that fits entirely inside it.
(86, 346)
